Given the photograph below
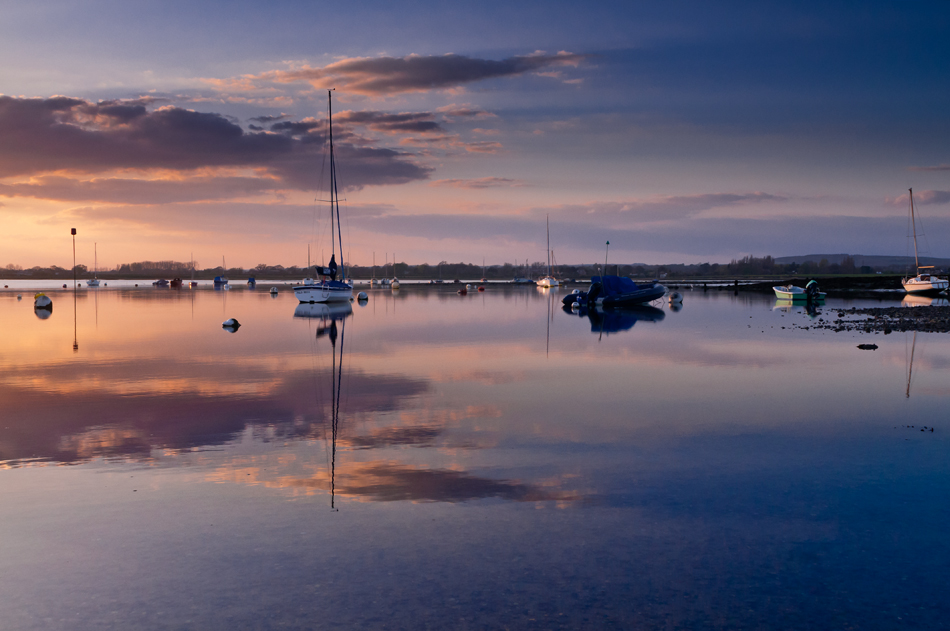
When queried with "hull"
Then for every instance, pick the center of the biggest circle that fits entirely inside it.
(922, 287)
(327, 291)
(795, 294)
(548, 282)
(94, 282)
(648, 294)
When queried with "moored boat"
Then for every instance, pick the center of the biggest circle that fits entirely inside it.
(608, 292)
(924, 283)
(794, 293)
(328, 288)
(549, 280)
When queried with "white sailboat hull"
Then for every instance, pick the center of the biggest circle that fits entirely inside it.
(333, 291)
(549, 282)
(924, 284)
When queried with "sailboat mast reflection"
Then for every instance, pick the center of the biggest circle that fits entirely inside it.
(335, 404)
(910, 365)
(330, 314)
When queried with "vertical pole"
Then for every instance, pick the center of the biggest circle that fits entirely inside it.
(73, 232)
(606, 252)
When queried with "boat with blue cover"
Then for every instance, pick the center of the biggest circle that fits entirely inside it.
(608, 292)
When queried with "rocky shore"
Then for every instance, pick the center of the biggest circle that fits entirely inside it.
(884, 320)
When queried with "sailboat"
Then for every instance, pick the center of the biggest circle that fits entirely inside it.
(221, 282)
(548, 281)
(924, 282)
(94, 282)
(329, 289)
(193, 282)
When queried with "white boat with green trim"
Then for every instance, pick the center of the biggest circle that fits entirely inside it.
(794, 293)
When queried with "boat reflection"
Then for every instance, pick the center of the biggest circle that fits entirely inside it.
(324, 310)
(914, 300)
(616, 320)
(796, 306)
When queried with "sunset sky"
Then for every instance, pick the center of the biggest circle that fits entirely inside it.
(681, 131)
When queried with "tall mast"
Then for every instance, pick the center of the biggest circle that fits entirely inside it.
(95, 265)
(913, 222)
(547, 222)
(334, 192)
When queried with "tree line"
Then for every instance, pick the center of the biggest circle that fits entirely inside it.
(746, 266)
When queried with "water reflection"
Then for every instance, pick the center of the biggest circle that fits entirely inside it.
(809, 308)
(614, 467)
(324, 311)
(912, 300)
(607, 322)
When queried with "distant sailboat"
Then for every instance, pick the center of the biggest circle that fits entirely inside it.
(94, 282)
(222, 281)
(193, 283)
(548, 281)
(924, 282)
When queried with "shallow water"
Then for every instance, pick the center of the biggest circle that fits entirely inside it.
(495, 463)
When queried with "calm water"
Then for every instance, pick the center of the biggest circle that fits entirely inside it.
(494, 463)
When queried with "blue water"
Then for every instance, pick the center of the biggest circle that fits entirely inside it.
(496, 463)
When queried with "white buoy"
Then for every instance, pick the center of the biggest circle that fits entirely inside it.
(42, 301)
(362, 296)
(395, 283)
(273, 291)
(468, 287)
(676, 298)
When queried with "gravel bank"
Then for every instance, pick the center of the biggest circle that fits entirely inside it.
(884, 320)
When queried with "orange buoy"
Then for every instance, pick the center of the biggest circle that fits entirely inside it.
(480, 288)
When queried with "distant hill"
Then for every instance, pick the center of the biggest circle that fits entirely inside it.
(862, 259)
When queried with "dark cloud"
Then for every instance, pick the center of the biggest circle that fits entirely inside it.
(932, 197)
(392, 75)
(476, 183)
(413, 122)
(461, 111)
(65, 134)
(264, 120)
(296, 128)
(938, 167)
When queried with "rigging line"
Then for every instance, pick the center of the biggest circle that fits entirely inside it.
(320, 184)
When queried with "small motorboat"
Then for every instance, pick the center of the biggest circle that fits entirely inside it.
(609, 292)
(160, 283)
(176, 283)
(251, 282)
(791, 292)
